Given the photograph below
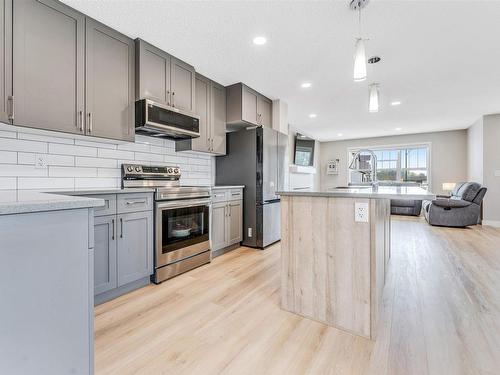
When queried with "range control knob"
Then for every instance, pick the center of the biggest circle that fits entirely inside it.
(176, 170)
(130, 168)
(137, 169)
(169, 170)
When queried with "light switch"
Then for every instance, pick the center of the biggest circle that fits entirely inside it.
(497, 173)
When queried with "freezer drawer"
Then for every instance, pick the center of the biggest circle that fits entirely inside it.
(271, 220)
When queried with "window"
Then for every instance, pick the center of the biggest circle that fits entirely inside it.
(400, 164)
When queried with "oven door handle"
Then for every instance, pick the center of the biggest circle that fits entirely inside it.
(189, 203)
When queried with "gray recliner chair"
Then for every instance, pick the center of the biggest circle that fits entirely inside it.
(461, 209)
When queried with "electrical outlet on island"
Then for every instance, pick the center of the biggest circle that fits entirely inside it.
(361, 212)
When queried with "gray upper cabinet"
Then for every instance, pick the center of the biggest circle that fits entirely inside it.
(48, 65)
(5, 60)
(246, 106)
(218, 118)
(109, 82)
(152, 72)
(164, 78)
(210, 105)
(135, 246)
(104, 254)
(182, 85)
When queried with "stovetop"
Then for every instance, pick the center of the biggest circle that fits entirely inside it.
(164, 179)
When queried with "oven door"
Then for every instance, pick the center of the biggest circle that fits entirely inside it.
(182, 230)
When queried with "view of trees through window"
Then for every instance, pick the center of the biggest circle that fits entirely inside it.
(405, 164)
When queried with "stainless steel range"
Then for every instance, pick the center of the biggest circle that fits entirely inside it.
(181, 218)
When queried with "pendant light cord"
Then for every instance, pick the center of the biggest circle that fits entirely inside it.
(359, 22)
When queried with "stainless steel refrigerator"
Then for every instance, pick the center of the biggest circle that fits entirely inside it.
(256, 158)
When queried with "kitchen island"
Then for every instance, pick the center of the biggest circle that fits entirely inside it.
(335, 249)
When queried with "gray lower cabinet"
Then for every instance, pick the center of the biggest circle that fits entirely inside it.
(135, 246)
(164, 78)
(227, 218)
(123, 251)
(109, 94)
(105, 277)
(246, 106)
(5, 60)
(210, 105)
(48, 65)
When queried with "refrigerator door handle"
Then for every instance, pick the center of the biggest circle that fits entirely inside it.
(272, 201)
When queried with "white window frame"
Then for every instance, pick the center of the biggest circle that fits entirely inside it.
(353, 150)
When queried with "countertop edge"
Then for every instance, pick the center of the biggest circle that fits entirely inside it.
(429, 196)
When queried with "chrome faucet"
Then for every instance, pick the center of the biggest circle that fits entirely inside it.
(373, 171)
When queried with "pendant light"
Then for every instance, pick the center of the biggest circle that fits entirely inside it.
(359, 73)
(373, 104)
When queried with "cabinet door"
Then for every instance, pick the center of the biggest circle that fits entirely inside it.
(202, 109)
(182, 77)
(48, 65)
(249, 106)
(109, 83)
(104, 254)
(265, 110)
(235, 222)
(5, 58)
(219, 228)
(152, 73)
(218, 119)
(135, 246)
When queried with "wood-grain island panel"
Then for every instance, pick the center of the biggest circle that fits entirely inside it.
(333, 268)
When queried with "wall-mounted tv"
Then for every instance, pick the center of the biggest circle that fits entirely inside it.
(304, 151)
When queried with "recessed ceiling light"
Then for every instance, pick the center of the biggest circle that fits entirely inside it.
(340, 135)
(313, 115)
(306, 85)
(259, 40)
(398, 129)
(396, 102)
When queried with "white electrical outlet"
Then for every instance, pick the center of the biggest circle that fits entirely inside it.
(40, 161)
(361, 212)
(249, 232)
(497, 173)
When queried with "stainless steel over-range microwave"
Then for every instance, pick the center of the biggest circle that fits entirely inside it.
(160, 120)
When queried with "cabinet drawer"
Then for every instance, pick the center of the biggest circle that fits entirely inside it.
(219, 196)
(235, 195)
(134, 202)
(109, 207)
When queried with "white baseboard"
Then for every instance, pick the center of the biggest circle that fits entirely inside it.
(492, 223)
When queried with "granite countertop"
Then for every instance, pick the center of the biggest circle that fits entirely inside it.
(105, 191)
(24, 201)
(383, 192)
(227, 187)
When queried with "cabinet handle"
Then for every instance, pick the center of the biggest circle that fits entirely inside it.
(90, 122)
(121, 228)
(212, 147)
(113, 228)
(10, 98)
(168, 97)
(173, 98)
(135, 202)
(80, 114)
(229, 210)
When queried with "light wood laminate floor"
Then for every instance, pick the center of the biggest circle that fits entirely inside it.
(440, 315)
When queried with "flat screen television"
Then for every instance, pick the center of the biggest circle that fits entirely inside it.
(304, 151)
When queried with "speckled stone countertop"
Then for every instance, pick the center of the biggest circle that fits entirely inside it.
(219, 187)
(25, 201)
(382, 192)
(99, 191)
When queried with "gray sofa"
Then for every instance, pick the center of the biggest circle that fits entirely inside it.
(406, 207)
(461, 209)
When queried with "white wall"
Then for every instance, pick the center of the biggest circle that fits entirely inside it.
(475, 152)
(448, 156)
(491, 166)
(78, 162)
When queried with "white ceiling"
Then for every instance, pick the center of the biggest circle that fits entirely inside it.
(440, 58)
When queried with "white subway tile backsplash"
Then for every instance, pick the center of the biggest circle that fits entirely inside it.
(74, 161)
(115, 154)
(55, 148)
(61, 160)
(47, 183)
(8, 157)
(8, 183)
(72, 172)
(8, 144)
(82, 161)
